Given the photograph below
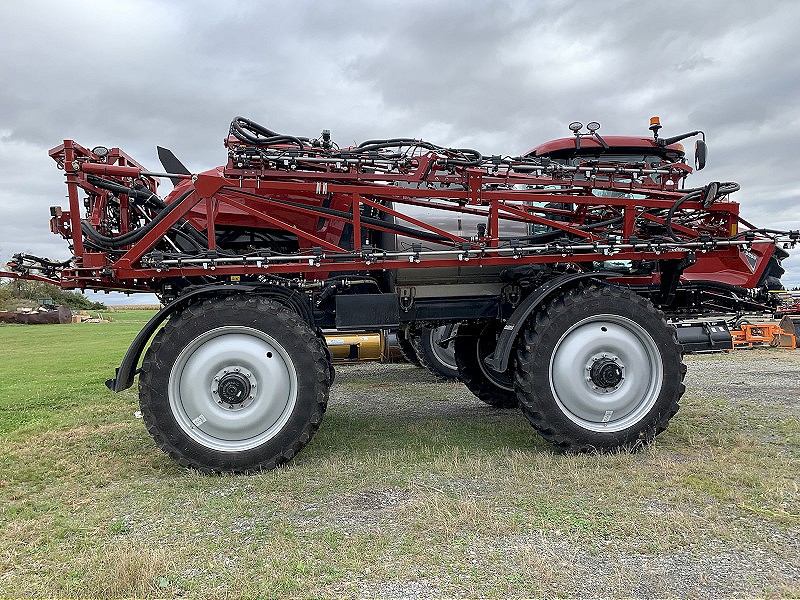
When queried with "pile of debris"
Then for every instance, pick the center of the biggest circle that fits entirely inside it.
(38, 316)
(84, 317)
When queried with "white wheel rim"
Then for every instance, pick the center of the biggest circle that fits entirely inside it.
(630, 351)
(256, 365)
(444, 356)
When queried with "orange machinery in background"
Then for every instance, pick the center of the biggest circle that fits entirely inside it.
(767, 334)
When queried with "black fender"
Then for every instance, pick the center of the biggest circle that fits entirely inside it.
(128, 368)
(499, 359)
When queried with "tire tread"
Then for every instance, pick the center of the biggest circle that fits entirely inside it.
(526, 384)
(150, 398)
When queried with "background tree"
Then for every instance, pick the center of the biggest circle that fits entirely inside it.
(21, 292)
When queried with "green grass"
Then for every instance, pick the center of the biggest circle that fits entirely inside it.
(409, 483)
(53, 376)
(121, 315)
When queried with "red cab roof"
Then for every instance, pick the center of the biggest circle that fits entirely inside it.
(590, 142)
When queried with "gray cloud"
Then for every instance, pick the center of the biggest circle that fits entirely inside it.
(500, 76)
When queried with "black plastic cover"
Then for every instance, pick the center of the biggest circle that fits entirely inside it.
(367, 311)
(704, 336)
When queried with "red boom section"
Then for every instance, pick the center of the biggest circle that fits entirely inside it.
(309, 210)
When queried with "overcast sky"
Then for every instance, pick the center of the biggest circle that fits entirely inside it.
(501, 77)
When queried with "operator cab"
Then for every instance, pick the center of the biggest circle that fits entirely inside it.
(589, 149)
(592, 149)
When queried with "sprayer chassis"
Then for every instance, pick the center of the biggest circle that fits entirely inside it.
(516, 251)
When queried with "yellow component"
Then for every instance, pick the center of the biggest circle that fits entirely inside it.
(352, 347)
(734, 228)
(236, 277)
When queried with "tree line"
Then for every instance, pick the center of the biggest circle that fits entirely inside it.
(22, 292)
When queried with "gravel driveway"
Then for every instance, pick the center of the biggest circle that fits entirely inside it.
(695, 540)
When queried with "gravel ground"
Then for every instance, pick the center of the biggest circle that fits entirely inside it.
(760, 374)
(759, 382)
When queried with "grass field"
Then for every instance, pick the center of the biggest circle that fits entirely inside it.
(411, 488)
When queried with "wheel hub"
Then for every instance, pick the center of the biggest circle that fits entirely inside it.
(605, 373)
(234, 388)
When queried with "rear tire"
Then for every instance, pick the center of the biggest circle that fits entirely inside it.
(405, 339)
(476, 341)
(599, 370)
(439, 361)
(234, 385)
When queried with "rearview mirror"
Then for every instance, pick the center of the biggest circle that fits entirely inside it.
(700, 153)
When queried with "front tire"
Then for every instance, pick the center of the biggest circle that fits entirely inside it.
(234, 385)
(599, 370)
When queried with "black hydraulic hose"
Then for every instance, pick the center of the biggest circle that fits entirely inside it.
(190, 239)
(675, 207)
(239, 122)
(368, 144)
(241, 128)
(761, 230)
(138, 232)
(396, 143)
(354, 279)
(543, 237)
(45, 262)
(723, 189)
(132, 236)
(183, 227)
(250, 132)
(550, 235)
(372, 145)
(150, 198)
(599, 224)
(112, 186)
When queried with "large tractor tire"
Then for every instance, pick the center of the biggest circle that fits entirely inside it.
(405, 339)
(474, 342)
(438, 360)
(599, 370)
(234, 385)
